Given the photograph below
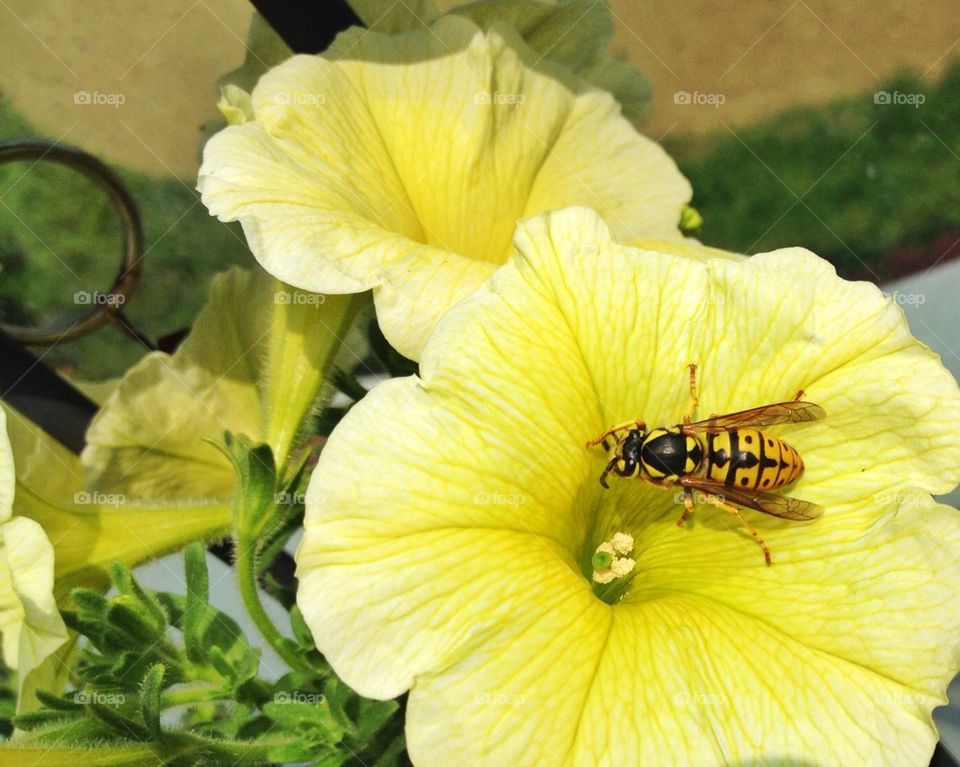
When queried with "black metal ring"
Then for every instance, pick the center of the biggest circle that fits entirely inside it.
(129, 274)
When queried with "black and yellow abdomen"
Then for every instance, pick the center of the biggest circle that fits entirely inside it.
(751, 459)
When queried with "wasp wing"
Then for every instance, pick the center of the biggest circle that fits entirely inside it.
(795, 411)
(782, 506)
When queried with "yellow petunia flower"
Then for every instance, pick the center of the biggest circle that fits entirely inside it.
(90, 530)
(455, 521)
(30, 624)
(253, 364)
(402, 163)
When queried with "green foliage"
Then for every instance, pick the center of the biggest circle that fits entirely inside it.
(168, 679)
(854, 165)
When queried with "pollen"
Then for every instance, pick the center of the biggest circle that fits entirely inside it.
(610, 561)
(622, 543)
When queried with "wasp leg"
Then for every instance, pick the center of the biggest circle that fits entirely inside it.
(694, 398)
(607, 469)
(800, 395)
(714, 501)
(635, 424)
(687, 507)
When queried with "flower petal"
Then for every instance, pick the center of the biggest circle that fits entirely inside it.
(682, 679)
(30, 623)
(91, 529)
(148, 441)
(7, 479)
(341, 186)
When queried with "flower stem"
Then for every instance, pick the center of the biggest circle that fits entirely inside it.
(250, 593)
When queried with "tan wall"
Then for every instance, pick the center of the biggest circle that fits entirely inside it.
(164, 58)
(161, 58)
(765, 56)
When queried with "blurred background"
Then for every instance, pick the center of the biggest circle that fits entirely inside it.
(799, 122)
(834, 126)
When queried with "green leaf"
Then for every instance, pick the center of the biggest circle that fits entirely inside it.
(220, 641)
(573, 33)
(150, 700)
(265, 49)
(296, 751)
(308, 719)
(372, 716)
(301, 631)
(394, 755)
(395, 17)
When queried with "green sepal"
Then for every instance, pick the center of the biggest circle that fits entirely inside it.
(256, 475)
(198, 594)
(33, 720)
(90, 627)
(58, 702)
(126, 584)
(89, 601)
(150, 706)
(131, 625)
(123, 725)
(301, 631)
(219, 639)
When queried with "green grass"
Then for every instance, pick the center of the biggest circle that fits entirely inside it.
(870, 176)
(59, 235)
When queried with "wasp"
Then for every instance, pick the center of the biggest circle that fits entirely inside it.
(726, 457)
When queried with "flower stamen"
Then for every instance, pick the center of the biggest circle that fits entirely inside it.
(610, 561)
